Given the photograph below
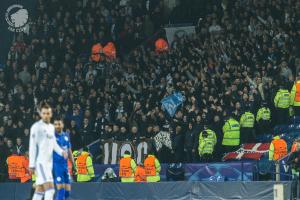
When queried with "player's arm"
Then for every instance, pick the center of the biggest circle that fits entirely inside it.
(57, 148)
(71, 157)
(32, 147)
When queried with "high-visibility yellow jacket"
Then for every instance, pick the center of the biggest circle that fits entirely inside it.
(85, 177)
(247, 120)
(133, 168)
(157, 166)
(278, 148)
(206, 145)
(231, 131)
(263, 113)
(282, 99)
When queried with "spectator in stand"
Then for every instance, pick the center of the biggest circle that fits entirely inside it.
(116, 132)
(86, 132)
(134, 134)
(189, 144)
(10, 146)
(19, 147)
(178, 145)
(123, 134)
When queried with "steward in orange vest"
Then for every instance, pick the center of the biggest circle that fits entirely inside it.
(295, 97)
(152, 168)
(16, 167)
(127, 168)
(140, 174)
(295, 145)
(278, 149)
(84, 166)
(26, 176)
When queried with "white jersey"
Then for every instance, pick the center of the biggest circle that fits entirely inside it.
(42, 144)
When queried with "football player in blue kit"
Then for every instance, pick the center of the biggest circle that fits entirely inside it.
(61, 174)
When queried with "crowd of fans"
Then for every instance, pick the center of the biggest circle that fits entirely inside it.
(241, 53)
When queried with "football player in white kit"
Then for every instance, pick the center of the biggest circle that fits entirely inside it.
(41, 146)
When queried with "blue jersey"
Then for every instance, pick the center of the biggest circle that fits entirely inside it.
(60, 164)
(63, 141)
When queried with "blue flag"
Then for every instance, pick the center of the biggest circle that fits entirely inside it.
(171, 103)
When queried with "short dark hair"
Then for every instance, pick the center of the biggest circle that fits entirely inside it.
(44, 105)
(58, 119)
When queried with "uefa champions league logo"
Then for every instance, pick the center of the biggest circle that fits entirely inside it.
(17, 18)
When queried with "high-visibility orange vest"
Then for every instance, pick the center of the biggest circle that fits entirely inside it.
(297, 95)
(96, 50)
(110, 50)
(149, 164)
(15, 167)
(26, 174)
(125, 170)
(70, 168)
(140, 174)
(81, 164)
(280, 149)
(161, 45)
(294, 148)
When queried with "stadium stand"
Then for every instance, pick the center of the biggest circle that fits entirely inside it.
(97, 63)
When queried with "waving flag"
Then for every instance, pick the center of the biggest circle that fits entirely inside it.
(171, 103)
(253, 151)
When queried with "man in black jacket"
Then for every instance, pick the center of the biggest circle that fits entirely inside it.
(189, 144)
(178, 140)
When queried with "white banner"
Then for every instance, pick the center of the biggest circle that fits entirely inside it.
(113, 151)
(179, 32)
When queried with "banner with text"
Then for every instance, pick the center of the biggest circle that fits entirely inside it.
(113, 150)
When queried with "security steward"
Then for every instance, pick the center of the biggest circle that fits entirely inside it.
(26, 175)
(207, 142)
(282, 105)
(140, 174)
(293, 158)
(231, 135)
(247, 126)
(278, 149)
(294, 161)
(295, 145)
(152, 168)
(263, 119)
(84, 167)
(127, 168)
(295, 96)
(15, 167)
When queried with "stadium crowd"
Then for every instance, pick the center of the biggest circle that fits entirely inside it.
(243, 52)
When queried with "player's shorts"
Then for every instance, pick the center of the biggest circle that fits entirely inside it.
(43, 173)
(61, 174)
